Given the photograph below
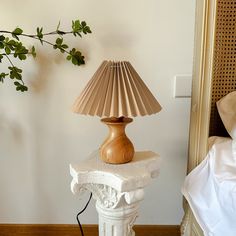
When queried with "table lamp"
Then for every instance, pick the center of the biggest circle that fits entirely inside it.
(116, 92)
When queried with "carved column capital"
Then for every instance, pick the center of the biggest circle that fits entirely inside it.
(107, 196)
(117, 189)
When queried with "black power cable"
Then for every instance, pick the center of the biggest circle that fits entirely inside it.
(77, 217)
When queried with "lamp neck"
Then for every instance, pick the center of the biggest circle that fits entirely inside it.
(117, 148)
(115, 120)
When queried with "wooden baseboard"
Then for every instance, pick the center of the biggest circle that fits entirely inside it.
(157, 230)
(73, 230)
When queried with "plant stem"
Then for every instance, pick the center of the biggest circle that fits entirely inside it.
(35, 35)
(13, 67)
(4, 54)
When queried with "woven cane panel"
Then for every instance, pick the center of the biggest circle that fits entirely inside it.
(224, 61)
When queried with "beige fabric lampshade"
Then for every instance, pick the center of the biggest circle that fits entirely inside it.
(116, 90)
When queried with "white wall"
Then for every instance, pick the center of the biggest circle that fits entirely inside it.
(40, 136)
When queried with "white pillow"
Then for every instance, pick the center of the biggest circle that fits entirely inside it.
(227, 109)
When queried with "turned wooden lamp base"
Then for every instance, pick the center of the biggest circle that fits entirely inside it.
(117, 148)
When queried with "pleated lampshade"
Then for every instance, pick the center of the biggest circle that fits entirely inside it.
(116, 90)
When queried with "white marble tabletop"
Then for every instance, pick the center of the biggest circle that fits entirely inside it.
(123, 178)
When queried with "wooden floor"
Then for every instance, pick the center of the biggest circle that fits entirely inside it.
(89, 230)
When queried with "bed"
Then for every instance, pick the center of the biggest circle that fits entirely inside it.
(214, 76)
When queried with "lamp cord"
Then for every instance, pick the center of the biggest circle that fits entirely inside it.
(77, 217)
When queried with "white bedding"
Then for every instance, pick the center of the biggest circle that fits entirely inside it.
(210, 189)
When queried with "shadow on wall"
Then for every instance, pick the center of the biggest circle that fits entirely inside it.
(46, 62)
(13, 128)
(44, 68)
(14, 172)
(22, 126)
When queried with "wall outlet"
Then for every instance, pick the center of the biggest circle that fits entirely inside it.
(182, 86)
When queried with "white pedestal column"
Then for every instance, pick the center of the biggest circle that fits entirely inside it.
(117, 189)
(118, 221)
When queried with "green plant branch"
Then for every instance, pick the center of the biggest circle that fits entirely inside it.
(28, 53)
(9, 60)
(35, 35)
(4, 54)
(14, 47)
(26, 35)
(15, 74)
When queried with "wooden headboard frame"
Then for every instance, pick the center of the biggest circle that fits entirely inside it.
(214, 76)
(214, 72)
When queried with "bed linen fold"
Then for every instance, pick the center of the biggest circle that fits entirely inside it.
(210, 190)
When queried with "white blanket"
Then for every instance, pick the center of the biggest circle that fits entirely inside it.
(210, 190)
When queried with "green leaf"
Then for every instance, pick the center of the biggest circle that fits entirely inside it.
(77, 33)
(22, 56)
(2, 38)
(77, 24)
(59, 41)
(39, 30)
(16, 83)
(12, 42)
(2, 76)
(76, 57)
(40, 34)
(33, 52)
(85, 28)
(76, 27)
(18, 69)
(58, 25)
(59, 45)
(24, 88)
(83, 23)
(74, 60)
(64, 46)
(7, 50)
(72, 51)
(15, 72)
(17, 31)
(20, 87)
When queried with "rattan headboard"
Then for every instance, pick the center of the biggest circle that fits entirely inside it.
(214, 76)
(224, 61)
